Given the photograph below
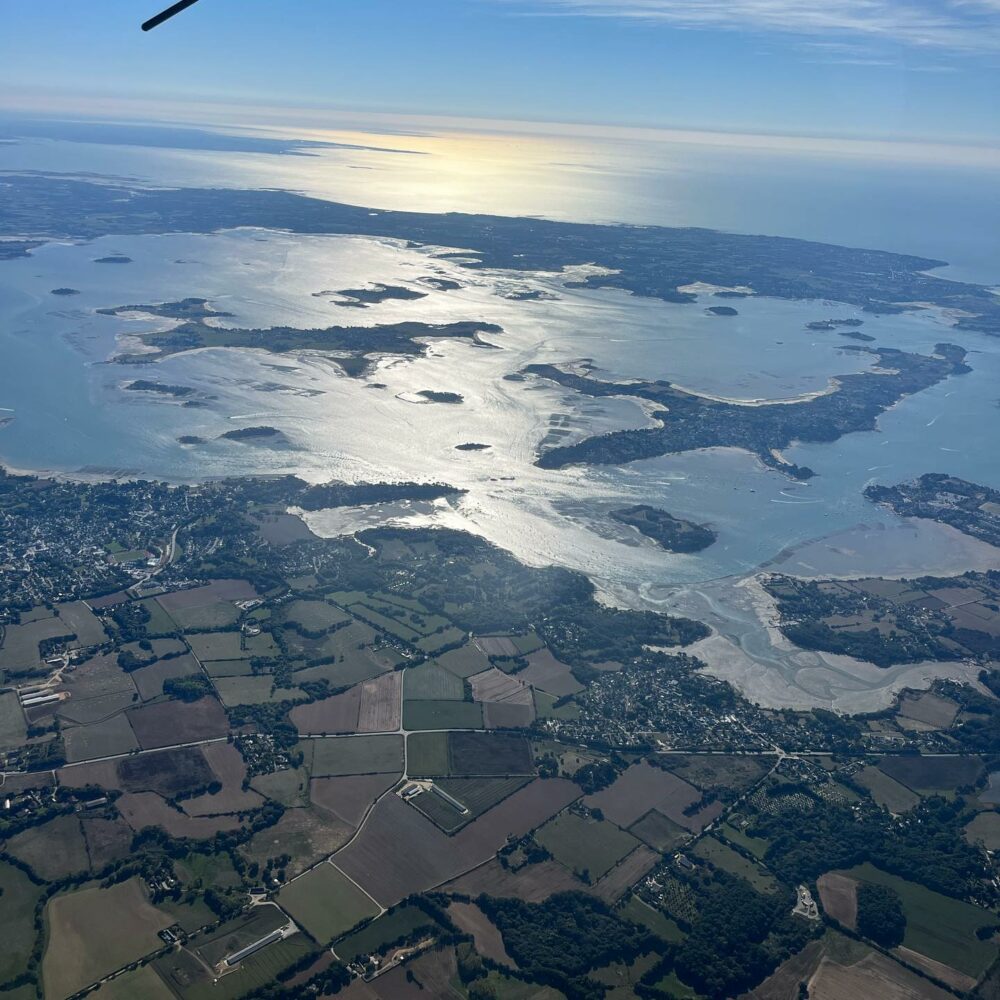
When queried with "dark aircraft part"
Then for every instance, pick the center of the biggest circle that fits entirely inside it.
(167, 14)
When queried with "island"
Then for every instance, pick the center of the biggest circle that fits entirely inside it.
(190, 439)
(653, 261)
(721, 311)
(435, 396)
(65, 291)
(361, 298)
(441, 284)
(115, 258)
(689, 421)
(968, 507)
(832, 324)
(352, 348)
(162, 388)
(671, 533)
(251, 433)
(472, 446)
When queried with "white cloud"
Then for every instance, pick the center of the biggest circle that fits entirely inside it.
(958, 25)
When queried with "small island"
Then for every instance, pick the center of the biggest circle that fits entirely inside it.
(361, 298)
(865, 338)
(115, 258)
(190, 439)
(721, 311)
(472, 446)
(65, 291)
(162, 388)
(832, 324)
(671, 533)
(441, 284)
(251, 433)
(433, 396)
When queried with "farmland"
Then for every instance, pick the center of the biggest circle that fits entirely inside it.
(56, 849)
(587, 847)
(16, 920)
(94, 931)
(356, 755)
(442, 715)
(886, 791)
(325, 903)
(932, 774)
(172, 722)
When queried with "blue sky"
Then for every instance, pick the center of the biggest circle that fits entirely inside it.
(888, 68)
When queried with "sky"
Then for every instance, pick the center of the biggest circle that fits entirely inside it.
(916, 69)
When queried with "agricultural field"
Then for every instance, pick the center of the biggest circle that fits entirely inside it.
(488, 754)
(93, 931)
(312, 617)
(237, 933)
(149, 680)
(228, 768)
(306, 835)
(354, 755)
(52, 850)
(337, 714)
(227, 668)
(102, 739)
(427, 754)
(289, 786)
(442, 715)
(429, 682)
(399, 851)
(643, 787)
(838, 895)
(661, 833)
(167, 772)
(533, 883)
(653, 920)
(985, 830)
(108, 840)
(886, 791)
(19, 896)
(587, 847)
(160, 623)
(464, 661)
(172, 722)
(718, 854)
(325, 903)
(480, 794)
(937, 926)
(717, 772)
(546, 672)
(381, 933)
(349, 797)
(259, 690)
(218, 646)
(142, 982)
(928, 708)
(13, 728)
(468, 917)
(379, 705)
(932, 774)
(142, 809)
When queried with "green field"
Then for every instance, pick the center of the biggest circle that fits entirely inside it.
(142, 982)
(985, 830)
(429, 682)
(355, 755)
(937, 926)
(442, 715)
(13, 729)
(239, 932)
(218, 646)
(290, 787)
(585, 845)
(326, 903)
(480, 794)
(660, 832)
(253, 691)
(545, 707)
(384, 622)
(19, 895)
(724, 857)
(390, 927)
(52, 850)
(757, 846)
(465, 661)
(439, 640)
(313, 616)
(228, 668)
(886, 791)
(219, 614)
(427, 754)
(160, 623)
(653, 920)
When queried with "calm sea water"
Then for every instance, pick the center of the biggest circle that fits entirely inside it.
(70, 410)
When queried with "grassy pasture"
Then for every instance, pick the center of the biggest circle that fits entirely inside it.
(102, 739)
(427, 754)
(476, 794)
(258, 690)
(239, 932)
(722, 856)
(160, 622)
(442, 715)
(585, 845)
(290, 787)
(887, 791)
(718, 772)
(13, 728)
(439, 640)
(142, 982)
(429, 682)
(985, 830)
(464, 661)
(937, 926)
(94, 931)
(220, 614)
(660, 832)
(326, 903)
(382, 932)
(16, 920)
(52, 850)
(218, 646)
(313, 616)
(654, 921)
(379, 754)
(228, 668)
